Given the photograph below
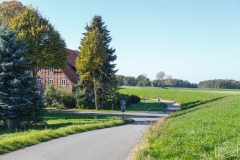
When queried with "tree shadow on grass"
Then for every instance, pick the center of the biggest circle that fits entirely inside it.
(119, 88)
(36, 127)
(147, 106)
(193, 106)
(186, 106)
(50, 126)
(61, 120)
(58, 115)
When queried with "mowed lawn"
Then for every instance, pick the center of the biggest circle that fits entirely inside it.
(58, 125)
(207, 127)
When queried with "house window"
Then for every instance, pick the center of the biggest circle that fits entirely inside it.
(51, 69)
(63, 82)
(39, 82)
(40, 70)
(50, 81)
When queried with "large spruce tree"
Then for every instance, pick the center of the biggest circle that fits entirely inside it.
(19, 102)
(91, 56)
(106, 70)
(108, 67)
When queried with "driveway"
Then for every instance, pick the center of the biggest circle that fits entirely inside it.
(114, 143)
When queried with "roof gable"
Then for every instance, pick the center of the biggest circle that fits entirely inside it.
(70, 69)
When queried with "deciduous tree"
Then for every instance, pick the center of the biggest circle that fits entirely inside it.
(160, 76)
(120, 79)
(42, 39)
(106, 69)
(129, 81)
(9, 10)
(91, 56)
(168, 80)
(142, 81)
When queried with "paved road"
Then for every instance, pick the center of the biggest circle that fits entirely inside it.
(114, 143)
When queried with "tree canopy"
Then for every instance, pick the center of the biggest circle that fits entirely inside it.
(40, 36)
(220, 83)
(142, 80)
(91, 56)
(9, 10)
(105, 70)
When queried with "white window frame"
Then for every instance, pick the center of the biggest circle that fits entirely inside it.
(51, 69)
(50, 81)
(39, 70)
(63, 82)
(39, 81)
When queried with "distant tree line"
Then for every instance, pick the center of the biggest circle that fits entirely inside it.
(160, 81)
(220, 83)
(174, 83)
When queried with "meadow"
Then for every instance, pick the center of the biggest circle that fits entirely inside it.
(207, 127)
(58, 125)
(146, 105)
(143, 106)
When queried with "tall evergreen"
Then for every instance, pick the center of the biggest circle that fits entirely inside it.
(19, 102)
(106, 70)
(91, 56)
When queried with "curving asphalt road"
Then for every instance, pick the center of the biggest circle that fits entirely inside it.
(114, 143)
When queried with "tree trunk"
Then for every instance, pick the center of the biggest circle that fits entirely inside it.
(95, 92)
(5, 123)
(95, 97)
(14, 124)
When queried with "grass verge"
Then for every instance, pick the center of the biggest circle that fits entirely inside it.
(59, 125)
(207, 127)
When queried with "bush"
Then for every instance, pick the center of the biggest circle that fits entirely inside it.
(59, 97)
(135, 99)
(129, 99)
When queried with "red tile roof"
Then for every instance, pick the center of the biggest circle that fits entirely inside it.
(70, 69)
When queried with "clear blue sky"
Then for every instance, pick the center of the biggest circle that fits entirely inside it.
(192, 40)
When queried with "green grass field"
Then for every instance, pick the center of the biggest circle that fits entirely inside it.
(146, 105)
(182, 96)
(207, 127)
(58, 125)
(143, 106)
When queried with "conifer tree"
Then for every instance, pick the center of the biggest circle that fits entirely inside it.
(91, 56)
(106, 70)
(19, 102)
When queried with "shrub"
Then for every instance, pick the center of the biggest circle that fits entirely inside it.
(129, 99)
(135, 99)
(59, 97)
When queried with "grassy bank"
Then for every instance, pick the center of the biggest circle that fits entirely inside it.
(182, 96)
(206, 128)
(58, 125)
